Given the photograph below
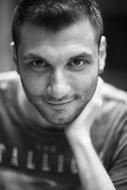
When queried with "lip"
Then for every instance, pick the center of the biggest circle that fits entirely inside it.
(59, 103)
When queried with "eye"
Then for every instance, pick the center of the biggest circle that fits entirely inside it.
(78, 63)
(38, 63)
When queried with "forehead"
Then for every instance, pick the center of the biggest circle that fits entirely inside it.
(80, 35)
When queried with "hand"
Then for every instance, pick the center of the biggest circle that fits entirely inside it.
(82, 124)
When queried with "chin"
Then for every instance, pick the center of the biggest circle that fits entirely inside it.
(62, 120)
(58, 120)
(60, 123)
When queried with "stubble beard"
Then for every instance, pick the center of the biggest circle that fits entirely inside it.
(82, 101)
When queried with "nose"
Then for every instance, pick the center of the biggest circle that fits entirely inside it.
(58, 86)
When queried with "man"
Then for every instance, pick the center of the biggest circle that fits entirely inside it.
(64, 129)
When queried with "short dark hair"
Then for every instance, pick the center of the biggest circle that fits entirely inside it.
(56, 14)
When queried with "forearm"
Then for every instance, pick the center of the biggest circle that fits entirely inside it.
(92, 174)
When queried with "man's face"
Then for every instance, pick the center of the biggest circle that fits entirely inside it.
(59, 70)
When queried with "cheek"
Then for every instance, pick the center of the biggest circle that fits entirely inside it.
(35, 85)
(85, 81)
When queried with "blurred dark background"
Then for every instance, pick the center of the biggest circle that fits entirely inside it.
(115, 21)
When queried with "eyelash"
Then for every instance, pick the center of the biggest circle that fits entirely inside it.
(34, 65)
(78, 67)
(38, 61)
(71, 65)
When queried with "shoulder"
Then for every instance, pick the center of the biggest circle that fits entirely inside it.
(9, 81)
(10, 87)
(111, 117)
(113, 123)
(9, 76)
(10, 107)
(114, 104)
(112, 93)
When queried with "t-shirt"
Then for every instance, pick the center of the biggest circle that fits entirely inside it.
(32, 158)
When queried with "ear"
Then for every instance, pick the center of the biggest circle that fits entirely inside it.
(102, 54)
(14, 55)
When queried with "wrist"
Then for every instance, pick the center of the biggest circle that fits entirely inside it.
(78, 138)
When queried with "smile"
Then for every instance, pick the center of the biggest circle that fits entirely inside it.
(58, 103)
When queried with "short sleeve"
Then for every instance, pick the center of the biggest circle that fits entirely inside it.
(118, 171)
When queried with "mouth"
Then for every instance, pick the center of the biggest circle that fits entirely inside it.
(59, 103)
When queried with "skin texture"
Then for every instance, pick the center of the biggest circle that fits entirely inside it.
(59, 70)
(59, 73)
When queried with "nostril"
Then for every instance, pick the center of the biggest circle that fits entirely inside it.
(58, 91)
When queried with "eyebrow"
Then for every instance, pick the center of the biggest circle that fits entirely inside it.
(37, 56)
(81, 55)
(32, 56)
